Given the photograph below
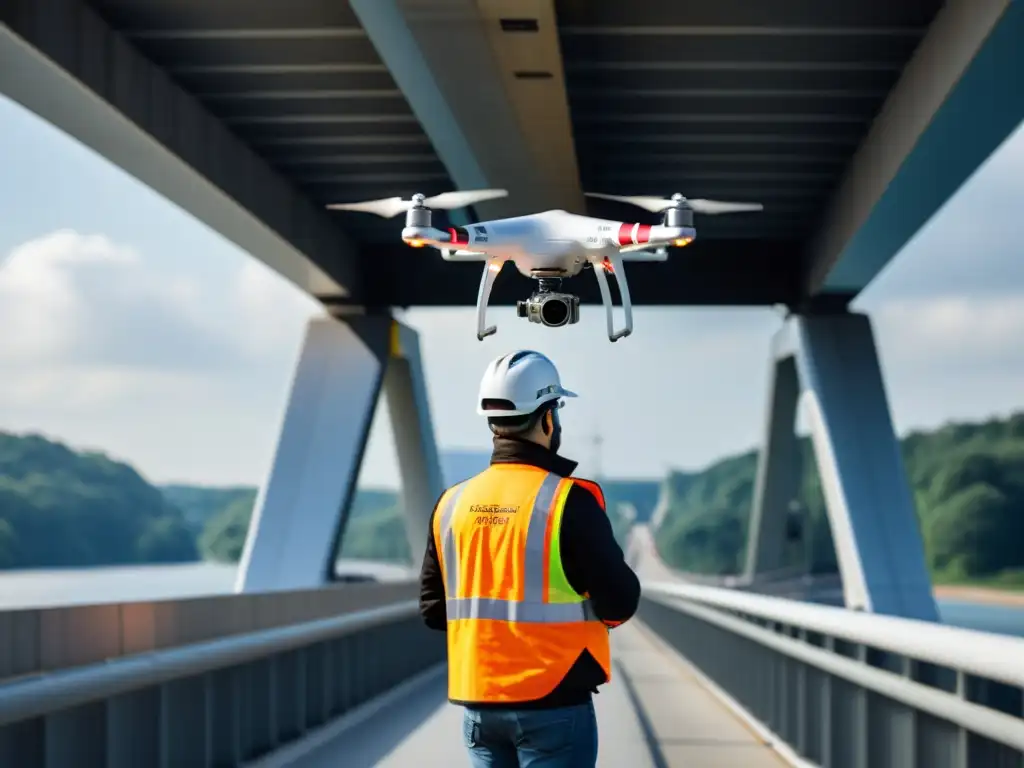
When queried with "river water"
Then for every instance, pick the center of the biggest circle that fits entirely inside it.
(39, 589)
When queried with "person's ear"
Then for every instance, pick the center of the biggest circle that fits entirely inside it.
(548, 423)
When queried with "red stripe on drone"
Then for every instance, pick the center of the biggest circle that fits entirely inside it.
(625, 234)
(643, 233)
(455, 237)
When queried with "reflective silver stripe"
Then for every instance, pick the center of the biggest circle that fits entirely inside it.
(520, 611)
(451, 565)
(533, 588)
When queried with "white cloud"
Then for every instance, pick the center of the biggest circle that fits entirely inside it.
(91, 319)
(273, 311)
(81, 300)
(972, 245)
(180, 367)
(953, 330)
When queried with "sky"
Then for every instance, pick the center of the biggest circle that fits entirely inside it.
(129, 327)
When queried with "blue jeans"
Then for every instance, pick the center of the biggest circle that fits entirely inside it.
(526, 738)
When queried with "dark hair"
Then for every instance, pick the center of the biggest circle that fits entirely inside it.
(508, 426)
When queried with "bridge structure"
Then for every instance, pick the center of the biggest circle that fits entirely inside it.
(852, 121)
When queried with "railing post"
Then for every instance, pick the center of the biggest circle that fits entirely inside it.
(827, 708)
(963, 741)
(801, 698)
(908, 668)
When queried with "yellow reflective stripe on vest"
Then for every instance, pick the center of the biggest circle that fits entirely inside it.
(532, 609)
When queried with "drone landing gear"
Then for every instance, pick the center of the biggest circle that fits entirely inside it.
(491, 270)
(613, 264)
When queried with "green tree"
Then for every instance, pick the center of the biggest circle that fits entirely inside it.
(223, 538)
(375, 529)
(968, 486)
(976, 532)
(8, 546)
(378, 536)
(61, 507)
(167, 540)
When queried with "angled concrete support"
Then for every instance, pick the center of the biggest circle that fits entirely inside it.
(406, 390)
(661, 508)
(491, 99)
(301, 511)
(778, 472)
(829, 365)
(954, 104)
(64, 62)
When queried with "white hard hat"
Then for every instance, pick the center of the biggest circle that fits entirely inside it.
(525, 379)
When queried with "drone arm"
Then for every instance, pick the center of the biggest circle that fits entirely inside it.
(460, 255)
(660, 254)
(606, 297)
(491, 270)
(659, 236)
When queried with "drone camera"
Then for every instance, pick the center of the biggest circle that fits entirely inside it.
(551, 309)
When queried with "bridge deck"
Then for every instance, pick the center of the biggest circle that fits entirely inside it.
(654, 714)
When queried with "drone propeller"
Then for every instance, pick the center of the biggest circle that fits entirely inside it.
(390, 207)
(659, 204)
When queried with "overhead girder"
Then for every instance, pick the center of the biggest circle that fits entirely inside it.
(62, 61)
(487, 86)
(957, 100)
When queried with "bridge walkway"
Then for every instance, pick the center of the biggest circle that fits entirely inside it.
(656, 713)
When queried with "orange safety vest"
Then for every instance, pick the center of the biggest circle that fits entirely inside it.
(515, 625)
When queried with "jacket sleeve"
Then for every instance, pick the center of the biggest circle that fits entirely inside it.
(432, 597)
(593, 560)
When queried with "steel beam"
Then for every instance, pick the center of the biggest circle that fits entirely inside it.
(59, 59)
(957, 100)
(829, 365)
(493, 102)
(301, 513)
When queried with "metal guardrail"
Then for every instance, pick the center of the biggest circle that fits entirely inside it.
(221, 701)
(852, 690)
(36, 640)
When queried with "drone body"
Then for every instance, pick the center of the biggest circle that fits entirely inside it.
(549, 247)
(549, 244)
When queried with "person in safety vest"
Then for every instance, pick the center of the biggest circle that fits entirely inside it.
(523, 572)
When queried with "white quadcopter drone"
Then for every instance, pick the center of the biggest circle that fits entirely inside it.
(550, 246)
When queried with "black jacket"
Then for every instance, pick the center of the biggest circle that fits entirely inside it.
(592, 559)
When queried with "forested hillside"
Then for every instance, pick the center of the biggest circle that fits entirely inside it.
(59, 507)
(376, 529)
(968, 482)
(200, 505)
